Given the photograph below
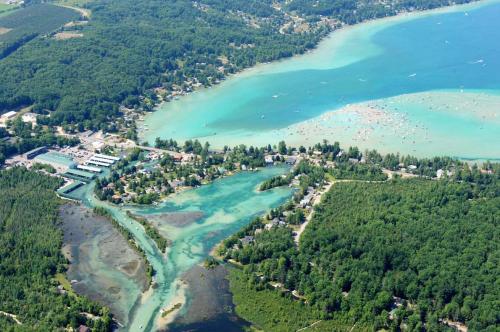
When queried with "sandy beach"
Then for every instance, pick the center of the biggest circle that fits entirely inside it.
(407, 123)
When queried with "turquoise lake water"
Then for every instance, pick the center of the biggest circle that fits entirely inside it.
(455, 50)
(212, 213)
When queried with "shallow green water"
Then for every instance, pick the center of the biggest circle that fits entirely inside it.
(226, 205)
(454, 51)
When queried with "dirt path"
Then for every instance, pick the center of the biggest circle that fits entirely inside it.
(317, 200)
(14, 317)
(85, 12)
(307, 327)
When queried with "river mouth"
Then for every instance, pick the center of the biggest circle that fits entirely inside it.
(193, 221)
(102, 266)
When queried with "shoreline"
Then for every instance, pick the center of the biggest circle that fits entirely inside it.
(402, 124)
(258, 68)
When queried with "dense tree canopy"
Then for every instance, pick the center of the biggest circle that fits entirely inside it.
(30, 256)
(422, 250)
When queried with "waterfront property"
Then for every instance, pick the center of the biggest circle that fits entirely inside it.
(107, 157)
(79, 175)
(89, 168)
(96, 163)
(67, 189)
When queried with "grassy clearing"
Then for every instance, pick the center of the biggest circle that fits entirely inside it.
(63, 281)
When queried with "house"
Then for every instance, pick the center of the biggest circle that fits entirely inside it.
(306, 200)
(187, 157)
(29, 117)
(276, 222)
(83, 328)
(317, 153)
(176, 183)
(247, 240)
(353, 160)
(8, 116)
(291, 160)
(269, 160)
(439, 173)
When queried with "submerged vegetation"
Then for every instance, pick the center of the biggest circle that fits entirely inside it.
(31, 259)
(129, 237)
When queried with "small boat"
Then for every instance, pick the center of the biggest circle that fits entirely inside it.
(412, 75)
(275, 96)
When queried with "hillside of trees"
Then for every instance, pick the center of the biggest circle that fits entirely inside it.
(414, 253)
(129, 48)
(30, 256)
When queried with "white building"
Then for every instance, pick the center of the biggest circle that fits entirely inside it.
(29, 117)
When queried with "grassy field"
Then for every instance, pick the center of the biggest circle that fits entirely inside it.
(268, 310)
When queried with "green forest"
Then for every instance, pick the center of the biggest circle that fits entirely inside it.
(410, 253)
(30, 256)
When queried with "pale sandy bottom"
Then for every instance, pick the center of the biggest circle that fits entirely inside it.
(454, 123)
(178, 298)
